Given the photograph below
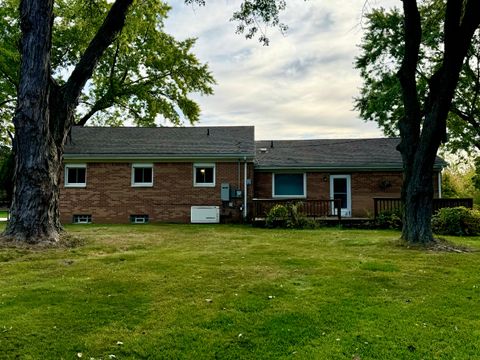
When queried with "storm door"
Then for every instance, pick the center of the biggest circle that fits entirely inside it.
(340, 188)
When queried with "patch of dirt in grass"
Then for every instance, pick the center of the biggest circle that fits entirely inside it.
(65, 241)
(439, 245)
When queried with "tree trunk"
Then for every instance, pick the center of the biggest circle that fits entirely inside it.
(417, 195)
(44, 116)
(34, 211)
(420, 140)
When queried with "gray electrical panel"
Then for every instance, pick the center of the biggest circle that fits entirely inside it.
(236, 193)
(225, 192)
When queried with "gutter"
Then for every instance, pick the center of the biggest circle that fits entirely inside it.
(336, 168)
(152, 157)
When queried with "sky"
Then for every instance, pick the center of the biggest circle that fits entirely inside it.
(301, 86)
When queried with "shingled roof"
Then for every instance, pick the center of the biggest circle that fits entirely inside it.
(341, 154)
(160, 142)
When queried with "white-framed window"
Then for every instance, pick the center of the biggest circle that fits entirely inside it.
(142, 175)
(82, 219)
(204, 175)
(75, 175)
(288, 185)
(139, 219)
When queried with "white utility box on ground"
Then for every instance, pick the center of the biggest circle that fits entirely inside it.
(205, 215)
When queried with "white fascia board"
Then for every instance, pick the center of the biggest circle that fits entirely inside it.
(153, 158)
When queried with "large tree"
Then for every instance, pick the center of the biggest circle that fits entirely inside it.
(423, 125)
(138, 69)
(144, 75)
(46, 103)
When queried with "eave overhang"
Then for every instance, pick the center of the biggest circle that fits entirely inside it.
(156, 157)
(338, 168)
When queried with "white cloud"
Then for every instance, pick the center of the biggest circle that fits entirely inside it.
(301, 86)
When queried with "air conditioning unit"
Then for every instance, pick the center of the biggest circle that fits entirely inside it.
(205, 214)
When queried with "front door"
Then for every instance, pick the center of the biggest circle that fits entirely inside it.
(340, 188)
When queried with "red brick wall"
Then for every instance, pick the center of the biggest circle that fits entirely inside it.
(365, 186)
(110, 198)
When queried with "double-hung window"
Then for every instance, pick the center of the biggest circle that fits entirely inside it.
(204, 175)
(142, 175)
(75, 175)
(289, 185)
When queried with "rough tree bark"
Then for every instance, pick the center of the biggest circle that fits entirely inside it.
(44, 116)
(423, 129)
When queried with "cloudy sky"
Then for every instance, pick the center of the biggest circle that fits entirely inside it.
(301, 86)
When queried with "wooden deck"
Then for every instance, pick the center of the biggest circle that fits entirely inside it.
(315, 209)
(389, 204)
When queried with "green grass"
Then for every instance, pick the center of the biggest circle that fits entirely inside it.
(3, 213)
(273, 294)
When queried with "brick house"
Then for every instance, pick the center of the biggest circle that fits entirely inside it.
(119, 175)
(208, 174)
(353, 170)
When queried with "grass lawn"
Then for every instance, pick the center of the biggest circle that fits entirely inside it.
(237, 292)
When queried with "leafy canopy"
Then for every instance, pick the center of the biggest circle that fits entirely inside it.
(382, 51)
(145, 76)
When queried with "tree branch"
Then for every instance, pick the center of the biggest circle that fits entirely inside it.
(7, 101)
(104, 37)
(410, 124)
(114, 63)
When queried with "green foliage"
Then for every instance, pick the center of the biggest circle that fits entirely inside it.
(289, 216)
(476, 176)
(458, 181)
(253, 12)
(389, 220)
(382, 50)
(7, 166)
(277, 214)
(458, 221)
(146, 76)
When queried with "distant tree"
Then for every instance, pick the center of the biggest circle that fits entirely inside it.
(400, 57)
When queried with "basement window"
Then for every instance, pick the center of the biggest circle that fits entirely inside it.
(142, 175)
(75, 175)
(82, 219)
(139, 219)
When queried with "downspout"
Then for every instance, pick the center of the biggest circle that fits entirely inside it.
(440, 184)
(245, 188)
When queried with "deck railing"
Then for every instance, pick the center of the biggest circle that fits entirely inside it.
(310, 208)
(395, 204)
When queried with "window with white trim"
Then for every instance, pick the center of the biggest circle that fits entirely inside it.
(204, 175)
(139, 219)
(75, 175)
(142, 175)
(82, 219)
(289, 185)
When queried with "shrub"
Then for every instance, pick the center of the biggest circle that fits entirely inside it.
(458, 221)
(288, 216)
(277, 216)
(389, 220)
